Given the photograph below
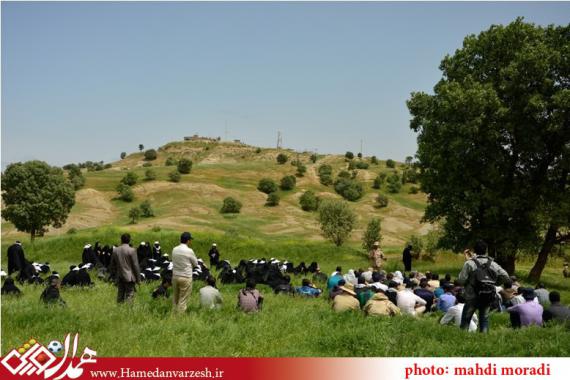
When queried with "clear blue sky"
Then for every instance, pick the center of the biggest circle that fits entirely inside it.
(86, 81)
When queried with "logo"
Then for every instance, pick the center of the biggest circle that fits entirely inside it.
(33, 358)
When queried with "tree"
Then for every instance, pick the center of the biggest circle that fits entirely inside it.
(184, 166)
(379, 180)
(325, 174)
(372, 234)
(272, 200)
(374, 160)
(362, 165)
(123, 155)
(494, 142)
(170, 161)
(75, 176)
(35, 196)
(349, 155)
(231, 206)
(381, 201)
(125, 192)
(134, 214)
(390, 163)
(349, 189)
(393, 184)
(130, 179)
(409, 160)
(267, 185)
(174, 176)
(146, 209)
(359, 155)
(337, 220)
(301, 170)
(313, 158)
(282, 158)
(149, 175)
(150, 155)
(288, 182)
(309, 201)
(141, 147)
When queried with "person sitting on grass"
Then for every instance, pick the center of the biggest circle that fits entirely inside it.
(453, 314)
(308, 289)
(50, 295)
(162, 290)
(249, 298)
(377, 281)
(319, 276)
(541, 294)
(409, 303)
(10, 288)
(363, 292)
(285, 287)
(556, 312)
(426, 294)
(528, 313)
(566, 271)
(447, 299)
(380, 305)
(335, 277)
(345, 301)
(210, 297)
(507, 294)
(336, 290)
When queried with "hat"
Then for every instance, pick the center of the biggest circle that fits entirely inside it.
(528, 294)
(156, 243)
(214, 245)
(376, 243)
(349, 291)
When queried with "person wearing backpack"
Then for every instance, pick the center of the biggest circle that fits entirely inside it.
(480, 274)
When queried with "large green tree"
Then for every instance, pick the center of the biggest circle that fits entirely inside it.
(35, 196)
(494, 142)
(337, 220)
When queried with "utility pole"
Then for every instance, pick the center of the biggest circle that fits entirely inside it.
(226, 130)
(361, 148)
(279, 140)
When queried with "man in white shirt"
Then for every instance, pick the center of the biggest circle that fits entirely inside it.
(409, 303)
(210, 297)
(183, 260)
(453, 314)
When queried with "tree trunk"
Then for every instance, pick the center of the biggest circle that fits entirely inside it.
(507, 261)
(32, 236)
(549, 241)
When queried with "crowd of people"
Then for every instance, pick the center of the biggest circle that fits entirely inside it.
(466, 301)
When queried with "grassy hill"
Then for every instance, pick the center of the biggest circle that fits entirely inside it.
(229, 169)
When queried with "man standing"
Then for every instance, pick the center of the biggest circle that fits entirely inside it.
(407, 258)
(125, 268)
(480, 274)
(16, 258)
(183, 260)
(376, 256)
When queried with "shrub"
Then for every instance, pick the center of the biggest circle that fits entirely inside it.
(258, 150)
(134, 214)
(125, 193)
(147, 165)
(337, 220)
(272, 200)
(343, 174)
(78, 181)
(349, 155)
(301, 170)
(371, 234)
(393, 184)
(381, 201)
(349, 189)
(362, 165)
(354, 174)
(313, 158)
(359, 155)
(288, 182)
(374, 160)
(267, 185)
(156, 229)
(146, 209)
(326, 179)
(72, 231)
(174, 176)
(309, 201)
(410, 175)
(231, 206)
(282, 158)
(379, 180)
(351, 165)
(123, 155)
(170, 161)
(149, 175)
(184, 166)
(390, 163)
(150, 155)
(325, 169)
(414, 190)
(130, 179)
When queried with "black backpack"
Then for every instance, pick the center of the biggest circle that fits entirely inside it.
(484, 281)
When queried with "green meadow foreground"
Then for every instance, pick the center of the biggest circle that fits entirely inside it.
(287, 326)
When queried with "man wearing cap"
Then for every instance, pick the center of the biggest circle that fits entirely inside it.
(376, 256)
(345, 301)
(183, 260)
(214, 256)
(125, 268)
(527, 313)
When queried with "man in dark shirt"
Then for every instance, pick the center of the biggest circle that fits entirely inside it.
(214, 255)
(16, 258)
(424, 293)
(556, 312)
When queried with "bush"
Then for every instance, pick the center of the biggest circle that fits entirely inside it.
(288, 182)
(393, 184)
(371, 234)
(282, 158)
(156, 229)
(351, 165)
(134, 214)
(309, 201)
(362, 165)
(267, 185)
(409, 175)
(349, 189)
(337, 220)
(272, 200)
(130, 179)
(125, 193)
(374, 160)
(349, 155)
(313, 158)
(184, 166)
(390, 163)
(258, 150)
(414, 190)
(170, 161)
(174, 176)
(72, 231)
(149, 175)
(381, 201)
(326, 179)
(231, 206)
(301, 170)
(123, 155)
(146, 209)
(379, 180)
(150, 155)
(108, 166)
(325, 169)
(343, 174)
(359, 155)
(147, 165)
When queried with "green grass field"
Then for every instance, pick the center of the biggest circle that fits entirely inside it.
(287, 326)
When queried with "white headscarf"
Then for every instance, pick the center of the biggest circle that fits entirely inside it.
(350, 277)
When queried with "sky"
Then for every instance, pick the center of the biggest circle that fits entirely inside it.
(87, 81)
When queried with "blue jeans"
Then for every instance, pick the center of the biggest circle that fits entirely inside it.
(469, 309)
